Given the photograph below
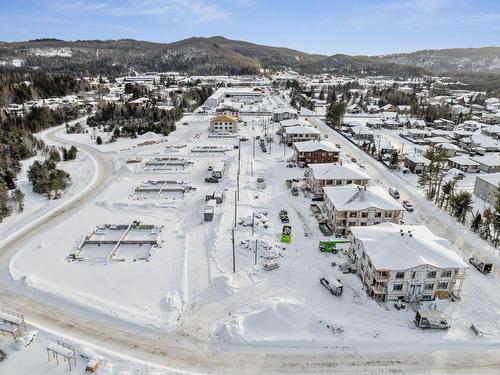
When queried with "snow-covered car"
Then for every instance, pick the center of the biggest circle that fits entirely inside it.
(408, 206)
(394, 192)
(269, 266)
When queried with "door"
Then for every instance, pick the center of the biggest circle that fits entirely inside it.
(415, 289)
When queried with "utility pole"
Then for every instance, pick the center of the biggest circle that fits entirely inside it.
(256, 252)
(234, 262)
(253, 148)
(253, 222)
(235, 207)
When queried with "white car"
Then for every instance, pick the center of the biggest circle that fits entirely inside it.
(408, 206)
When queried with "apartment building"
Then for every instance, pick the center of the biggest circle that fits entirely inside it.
(312, 152)
(351, 206)
(328, 174)
(406, 262)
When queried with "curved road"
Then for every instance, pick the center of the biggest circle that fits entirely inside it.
(183, 349)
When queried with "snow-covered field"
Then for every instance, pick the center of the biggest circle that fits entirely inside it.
(188, 284)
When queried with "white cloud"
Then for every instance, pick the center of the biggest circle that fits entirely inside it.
(178, 10)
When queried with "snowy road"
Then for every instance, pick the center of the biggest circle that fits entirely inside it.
(186, 349)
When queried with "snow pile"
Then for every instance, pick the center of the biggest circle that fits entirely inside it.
(25, 340)
(260, 220)
(278, 320)
(264, 249)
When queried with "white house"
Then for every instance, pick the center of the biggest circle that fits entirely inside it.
(406, 262)
(329, 174)
(351, 205)
(486, 187)
(300, 133)
(223, 124)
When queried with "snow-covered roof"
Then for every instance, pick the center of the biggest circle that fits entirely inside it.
(294, 122)
(357, 198)
(448, 146)
(330, 171)
(418, 159)
(491, 178)
(489, 160)
(301, 129)
(462, 160)
(389, 250)
(310, 146)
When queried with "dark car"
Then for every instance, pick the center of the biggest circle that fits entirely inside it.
(211, 180)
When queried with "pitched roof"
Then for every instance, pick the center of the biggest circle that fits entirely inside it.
(301, 129)
(223, 118)
(357, 198)
(330, 171)
(390, 250)
(310, 146)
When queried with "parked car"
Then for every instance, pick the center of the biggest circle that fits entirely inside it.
(269, 266)
(408, 206)
(394, 193)
(325, 229)
(283, 214)
(353, 160)
(335, 287)
(433, 319)
(210, 168)
(482, 265)
(185, 123)
(338, 145)
(236, 147)
(212, 180)
(243, 139)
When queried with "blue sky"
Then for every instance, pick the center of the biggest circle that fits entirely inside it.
(317, 26)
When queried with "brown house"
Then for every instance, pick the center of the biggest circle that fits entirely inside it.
(313, 152)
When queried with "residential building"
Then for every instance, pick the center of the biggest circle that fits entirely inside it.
(300, 133)
(223, 124)
(284, 114)
(406, 262)
(328, 174)
(486, 187)
(228, 111)
(488, 163)
(311, 152)
(351, 205)
(416, 163)
(463, 164)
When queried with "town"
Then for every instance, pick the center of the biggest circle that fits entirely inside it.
(269, 203)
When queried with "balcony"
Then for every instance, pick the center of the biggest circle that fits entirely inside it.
(381, 276)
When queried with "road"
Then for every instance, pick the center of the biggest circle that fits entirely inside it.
(187, 350)
(441, 223)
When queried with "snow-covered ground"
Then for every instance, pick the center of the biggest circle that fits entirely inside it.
(188, 288)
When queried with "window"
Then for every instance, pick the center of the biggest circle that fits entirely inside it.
(429, 286)
(431, 274)
(400, 275)
(397, 287)
(378, 214)
(443, 285)
(446, 274)
(353, 214)
(413, 274)
(352, 223)
(364, 214)
(363, 224)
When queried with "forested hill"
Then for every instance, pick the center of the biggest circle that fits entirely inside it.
(215, 55)
(218, 55)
